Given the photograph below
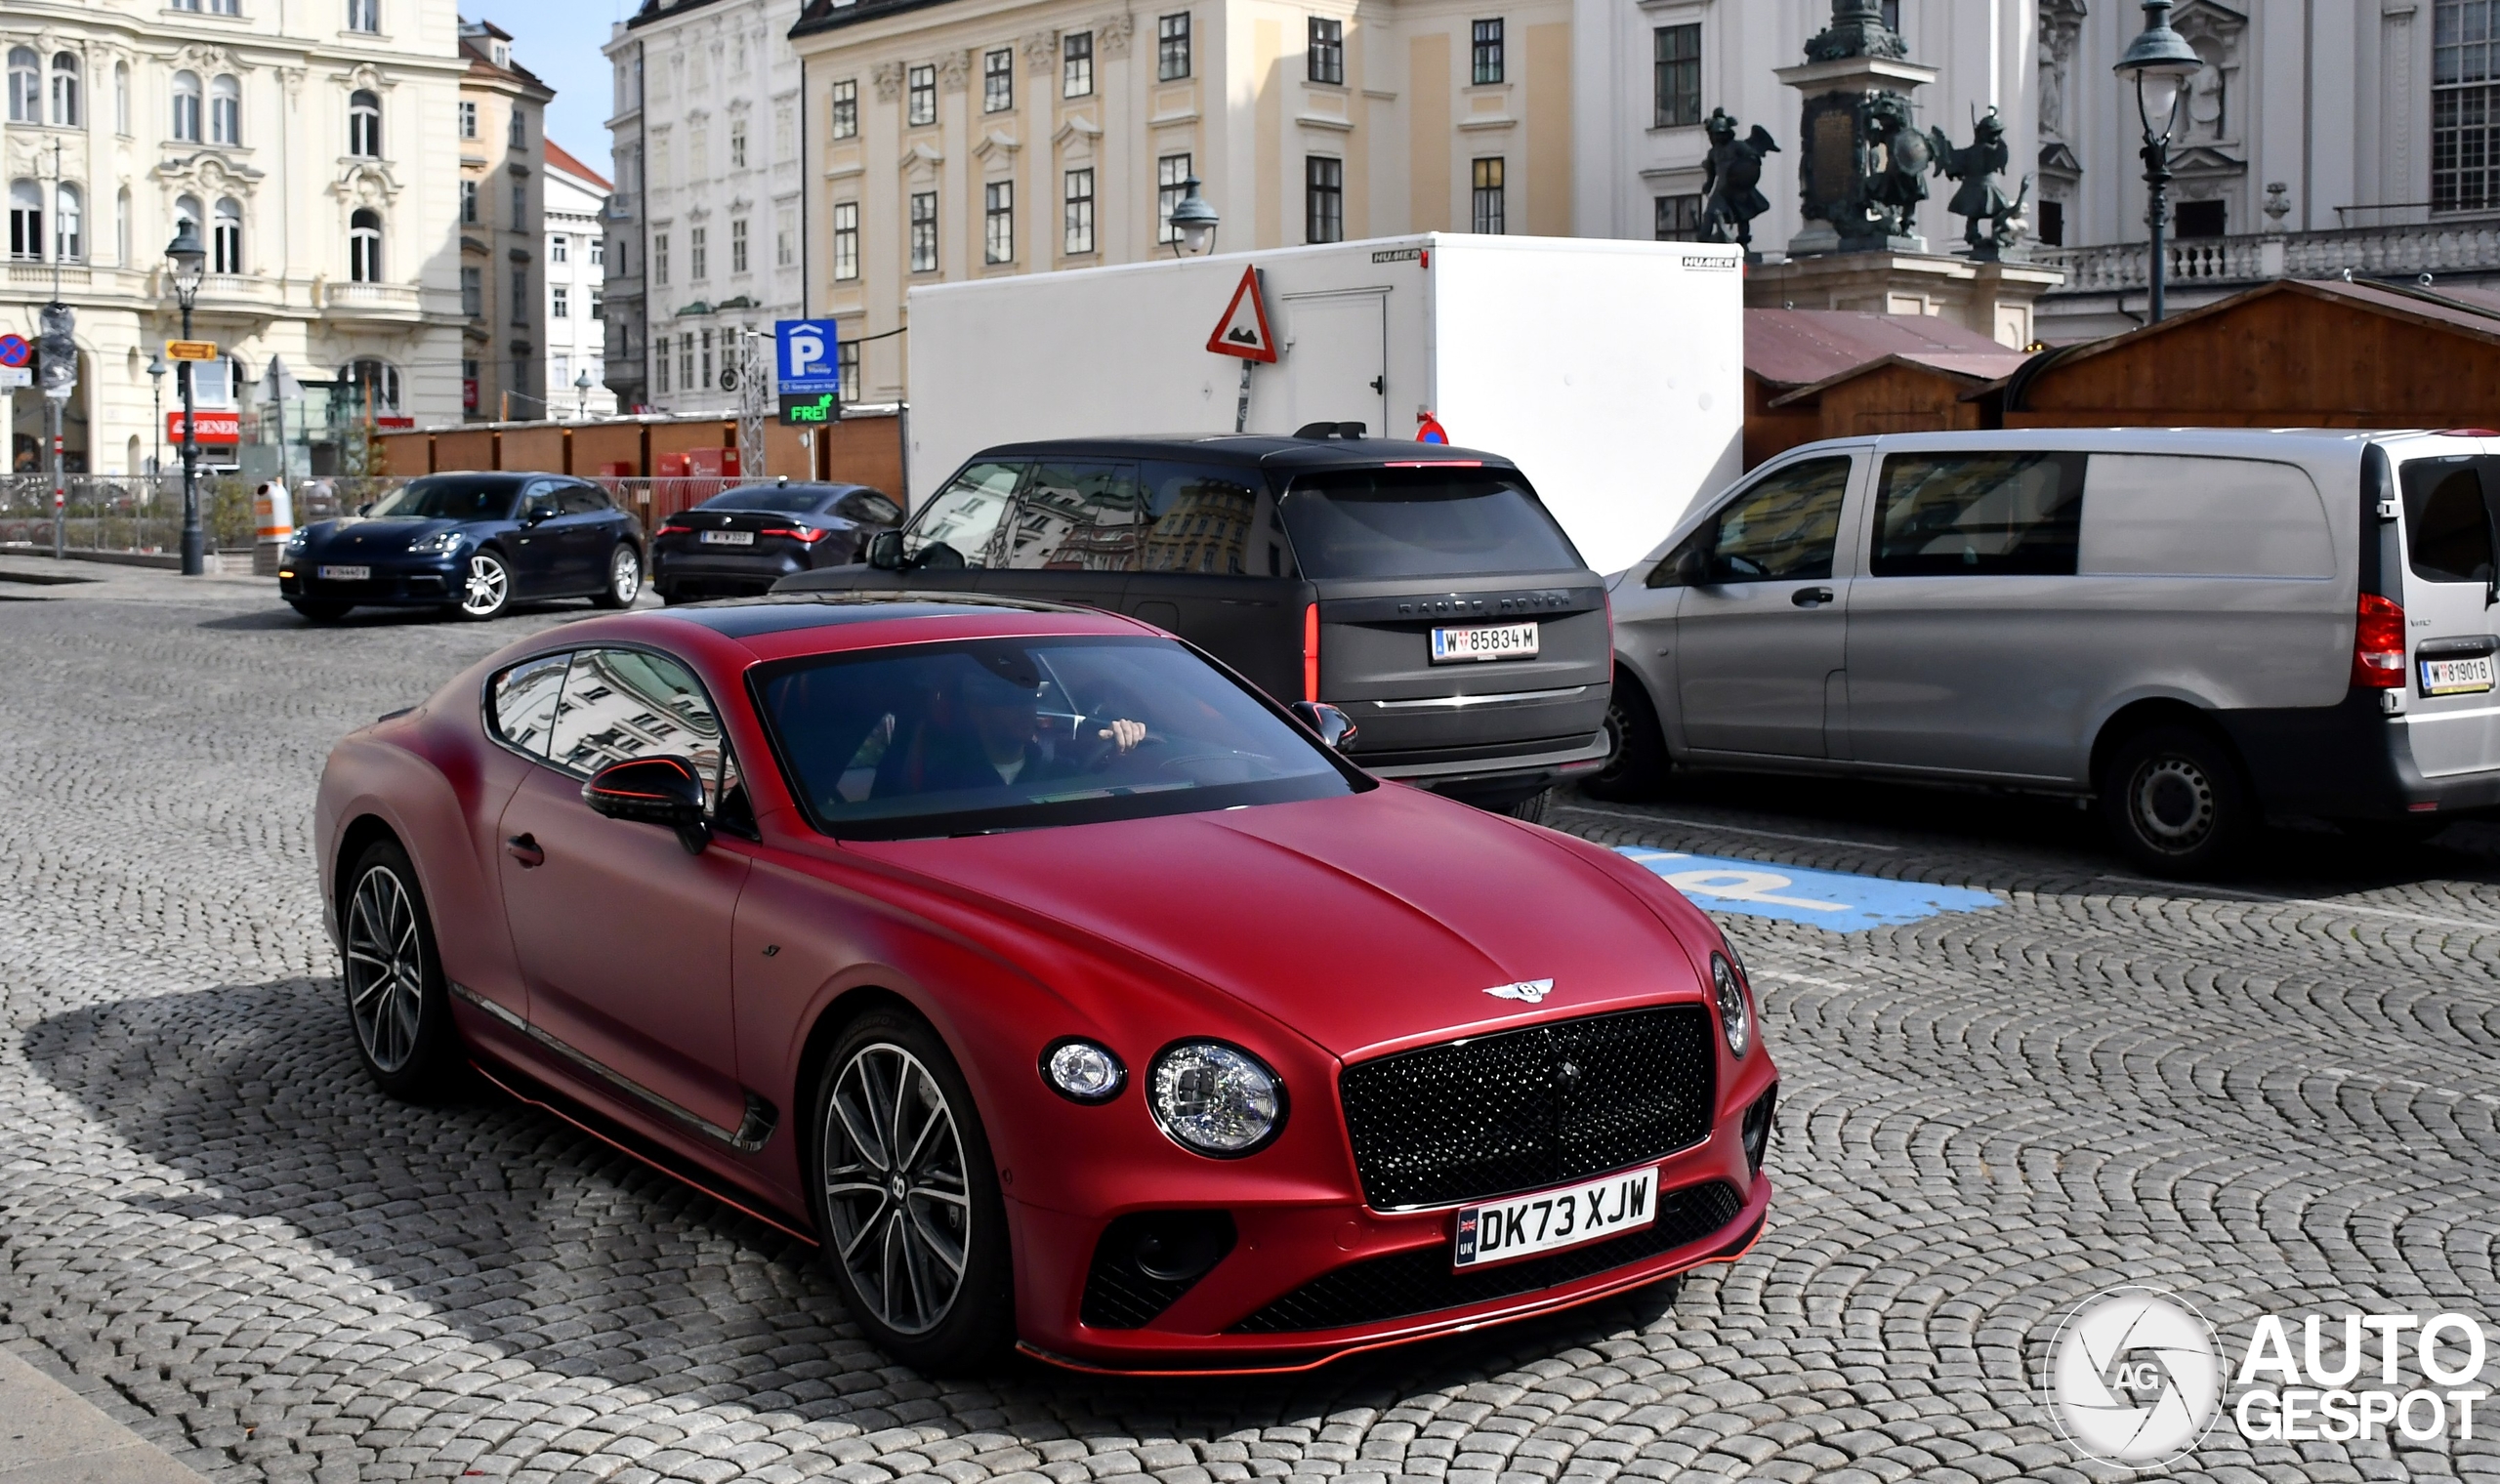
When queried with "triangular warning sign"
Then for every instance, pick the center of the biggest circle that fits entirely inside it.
(1243, 330)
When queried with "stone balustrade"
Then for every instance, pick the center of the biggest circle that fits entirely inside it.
(2437, 248)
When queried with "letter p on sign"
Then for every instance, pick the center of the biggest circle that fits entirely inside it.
(809, 362)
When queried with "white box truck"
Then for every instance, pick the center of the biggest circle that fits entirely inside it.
(1612, 372)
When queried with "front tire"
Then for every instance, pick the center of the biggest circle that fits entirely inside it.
(906, 1197)
(1636, 759)
(624, 578)
(399, 1003)
(485, 590)
(2175, 803)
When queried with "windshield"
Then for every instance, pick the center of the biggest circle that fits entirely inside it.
(1422, 523)
(447, 497)
(781, 499)
(990, 735)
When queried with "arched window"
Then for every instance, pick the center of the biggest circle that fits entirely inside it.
(65, 90)
(121, 228)
(371, 384)
(225, 238)
(364, 125)
(121, 98)
(364, 246)
(225, 112)
(25, 87)
(187, 106)
(187, 212)
(69, 225)
(25, 220)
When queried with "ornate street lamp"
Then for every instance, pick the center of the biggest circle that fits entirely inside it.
(1193, 222)
(2159, 62)
(156, 460)
(189, 261)
(581, 390)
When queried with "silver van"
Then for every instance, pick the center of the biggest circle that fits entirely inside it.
(2197, 628)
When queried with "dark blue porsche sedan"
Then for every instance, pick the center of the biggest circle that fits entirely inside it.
(474, 543)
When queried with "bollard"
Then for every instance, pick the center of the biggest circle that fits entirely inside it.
(273, 520)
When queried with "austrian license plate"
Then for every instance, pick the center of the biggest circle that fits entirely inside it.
(345, 574)
(728, 538)
(1553, 1218)
(1498, 641)
(2458, 676)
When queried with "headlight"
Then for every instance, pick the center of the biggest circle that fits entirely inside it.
(1083, 1070)
(438, 543)
(299, 541)
(1734, 1019)
(1214, 1099)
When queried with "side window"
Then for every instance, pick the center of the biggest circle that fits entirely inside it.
(629, 703)
(521, 703)
(1979, 514)
(1210, 520)
(581, 500)
(867, 507)
(1078, 517)
(1785, 528)
(538, 502)
(2448, 523)
(965, 523)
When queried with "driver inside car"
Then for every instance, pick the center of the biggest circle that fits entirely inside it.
(983, 728)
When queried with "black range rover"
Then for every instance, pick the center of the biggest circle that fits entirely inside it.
(1424, 590)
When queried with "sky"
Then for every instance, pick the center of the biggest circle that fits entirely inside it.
(559, 41)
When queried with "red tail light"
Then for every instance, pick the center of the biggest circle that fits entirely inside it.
(673, 526)
(1310, 652)
(2378, 644)
(806, 533)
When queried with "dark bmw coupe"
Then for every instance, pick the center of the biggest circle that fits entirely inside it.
(744, 540)
(475, 543)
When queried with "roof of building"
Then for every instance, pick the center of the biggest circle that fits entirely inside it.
(563, 160)
(1809, 347)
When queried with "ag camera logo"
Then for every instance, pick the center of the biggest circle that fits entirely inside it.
(2135, 1377)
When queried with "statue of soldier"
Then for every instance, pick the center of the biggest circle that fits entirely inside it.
(1731, 181)
(1992, 222)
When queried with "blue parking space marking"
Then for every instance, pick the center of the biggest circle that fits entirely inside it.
(1830, 899)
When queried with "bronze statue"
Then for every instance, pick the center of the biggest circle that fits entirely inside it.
(1898, 165)
(1992, 222)
(1731, 181)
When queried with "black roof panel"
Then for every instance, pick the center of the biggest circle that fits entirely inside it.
(1251, 448)
(780, 612)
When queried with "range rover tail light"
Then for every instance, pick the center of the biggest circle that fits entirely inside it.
(1310, 652)
(2378, 644)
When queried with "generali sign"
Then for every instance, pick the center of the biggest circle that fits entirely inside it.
(214, 427)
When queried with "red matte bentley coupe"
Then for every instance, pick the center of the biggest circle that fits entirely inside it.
(1064, 989)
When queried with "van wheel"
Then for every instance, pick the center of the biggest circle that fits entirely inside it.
(1636, 757)
(2175, 803)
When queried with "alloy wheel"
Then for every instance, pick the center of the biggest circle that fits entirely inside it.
(625, 577)
(2172, 803)
(488, 586)
(385, 971)
(896, 1188)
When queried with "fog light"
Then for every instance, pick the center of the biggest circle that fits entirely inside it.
(1083, 1070)
(1180, 1246)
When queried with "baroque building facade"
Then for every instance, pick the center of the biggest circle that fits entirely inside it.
(312, 148)
(576, 304)
(503, 196)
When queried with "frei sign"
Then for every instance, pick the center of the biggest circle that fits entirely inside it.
(808, 371)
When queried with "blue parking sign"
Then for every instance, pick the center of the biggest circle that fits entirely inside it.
(808, 355)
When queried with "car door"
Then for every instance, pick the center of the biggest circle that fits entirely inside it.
(622, 938)
(1761, 625)
(961, 531)
(2451, 513)
(1075, 535)
(537, 547)
(587, 528)
(1214, 567)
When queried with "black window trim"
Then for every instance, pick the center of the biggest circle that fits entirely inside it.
(2076, 462)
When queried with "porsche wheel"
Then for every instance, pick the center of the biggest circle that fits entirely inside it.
(397, 1003)
(908, 1198)
(624, 578)
(485, 587)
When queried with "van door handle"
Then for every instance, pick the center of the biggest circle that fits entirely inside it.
(525, 848)
(1810, 598)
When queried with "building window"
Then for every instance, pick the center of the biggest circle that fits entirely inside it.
(998, 221)
(706, 382)
(659, 257)
(1488, 53)
(1171, 183)
(559, 301)
(1171, 47)
(121, 226)
(845, 240)
(468, 385)
(473, 291)
(845, 109)
(364, 15)
(226, 237)
(364, 246)
(785, 242)
(737, 144)
(1323, 195)
(846, 362)
(737, 246)
(25, 220)
(2202, 218)
(597, 251)
(1892, 13)
(997, 81)
(517, 132)
(686, 360)
(1076, 212)
(520, 295)
(225, 112)
(920, 96)
(187, 106)
(468, 119)
(1677, 75)
(698, 254)
(560, 248)
(65, 90)
(598, 305)
(1678, 218)
(1489, 214)
(2464, 107)
(924, 232)
(520, 205)
(365, 124)
(1324, 53)
(25, 86)
(121, 98)
(2051, 228)
(69, 225)
(1076, 64)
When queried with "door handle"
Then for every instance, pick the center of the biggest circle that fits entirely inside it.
(525, 848)
(1810, 598)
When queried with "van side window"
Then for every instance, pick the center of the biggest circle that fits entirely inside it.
(1077, 518)
(1785, 528)
(965, 523)
(1207, 518)
(2448, 522)
(1979, 514)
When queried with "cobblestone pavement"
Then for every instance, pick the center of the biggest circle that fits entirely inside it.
(2274, 1097)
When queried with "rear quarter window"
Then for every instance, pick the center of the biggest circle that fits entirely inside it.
(2167, 517)
(1422, 523)
(521, 703)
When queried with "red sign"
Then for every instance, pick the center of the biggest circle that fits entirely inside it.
(1431, 430)
(214, 427)
(385, 422)
(1243, 329)
(469, 392)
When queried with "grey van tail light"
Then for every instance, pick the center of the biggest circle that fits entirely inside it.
(1214, 1099)
(1735, 1019)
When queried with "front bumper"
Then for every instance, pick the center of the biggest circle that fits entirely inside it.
(401, 582)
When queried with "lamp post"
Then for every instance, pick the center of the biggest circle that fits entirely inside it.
(2158, 61)
(156, 389)
(1193, 222)
(581, 396)
(189, 261)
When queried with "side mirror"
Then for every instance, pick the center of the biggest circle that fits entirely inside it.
(364, 509)
(1334, 726)
(884, 551)
(537, 514)
(663, 791)
(1686, 566)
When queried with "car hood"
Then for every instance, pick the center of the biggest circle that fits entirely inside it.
(1363, 923)
(376, 538)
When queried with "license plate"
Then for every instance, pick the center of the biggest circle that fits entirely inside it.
(1553, 1218)
(345, 574)
(728, 538)
(2459, 677)
(1498, 641)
